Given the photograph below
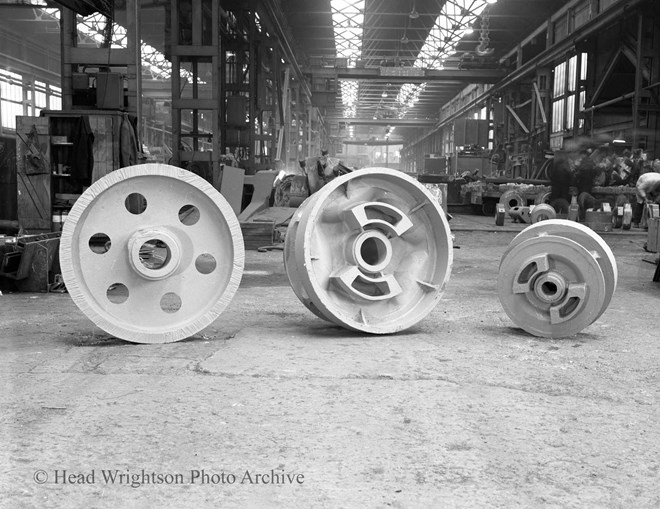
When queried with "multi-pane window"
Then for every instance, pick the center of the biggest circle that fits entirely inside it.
(569, 81)
(23, 95)
(11, 97)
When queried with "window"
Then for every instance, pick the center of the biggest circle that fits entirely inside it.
(11, 98)
(24, 95)
(569, 81)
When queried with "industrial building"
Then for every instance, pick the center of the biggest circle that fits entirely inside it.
(329, 253)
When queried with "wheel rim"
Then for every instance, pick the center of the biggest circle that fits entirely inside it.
(585, 237)
(551, 286)
(152, 274)
(295, 271)
(371, 251)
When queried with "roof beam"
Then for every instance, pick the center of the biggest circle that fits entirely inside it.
(393, 122)
(457, 76)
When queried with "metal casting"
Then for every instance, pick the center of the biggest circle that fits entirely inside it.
(371, 251)
(556, 278)
(151, 253)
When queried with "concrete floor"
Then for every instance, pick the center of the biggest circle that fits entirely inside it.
(462, 410)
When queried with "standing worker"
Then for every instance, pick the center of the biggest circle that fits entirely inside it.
(648, 191)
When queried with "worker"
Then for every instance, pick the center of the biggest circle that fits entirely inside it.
(648, 191)
(561, 181)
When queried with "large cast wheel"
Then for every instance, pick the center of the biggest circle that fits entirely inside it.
(152, 253)
(371, 251)
(556, 278)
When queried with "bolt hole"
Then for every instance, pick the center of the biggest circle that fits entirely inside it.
(135, 203)
(170, 302)
(188, 215)
(205, 263)
(154, 254)
(549, 288)
(373, 251)
(117, 293)
(99, 243)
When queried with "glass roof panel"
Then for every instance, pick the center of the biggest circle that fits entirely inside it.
(347, 22)
(454, 22)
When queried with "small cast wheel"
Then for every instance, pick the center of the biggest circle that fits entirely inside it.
(371, 251)
(512, 198)
(551, 286)
(152, 253)
(580, 270)
(488, 207)
(542, 212)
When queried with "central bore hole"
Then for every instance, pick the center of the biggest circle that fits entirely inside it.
(154, 254)
(549, 288)
(373, 251)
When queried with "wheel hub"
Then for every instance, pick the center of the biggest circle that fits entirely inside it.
(155, 253)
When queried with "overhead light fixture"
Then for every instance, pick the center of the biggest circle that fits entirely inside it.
(405, 39)
(384, 94)
(491, 1)
(413, 13)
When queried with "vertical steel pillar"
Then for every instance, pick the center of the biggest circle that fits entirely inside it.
(199, 21)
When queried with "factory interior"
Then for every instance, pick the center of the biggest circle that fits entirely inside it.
(329, 253)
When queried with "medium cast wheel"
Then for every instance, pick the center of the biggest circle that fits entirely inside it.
(371, 251)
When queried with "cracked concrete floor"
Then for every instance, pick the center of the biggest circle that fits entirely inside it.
(462, 410)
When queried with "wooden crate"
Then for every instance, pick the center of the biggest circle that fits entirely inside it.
(258, 234)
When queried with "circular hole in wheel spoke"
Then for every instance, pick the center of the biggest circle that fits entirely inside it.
(135, 203)
(170, 302)
(117, 293)
(99, 243)
(154, 254)
(205, 263)
(189, 215)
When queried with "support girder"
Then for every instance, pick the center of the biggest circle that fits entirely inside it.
(394, 122)
(456, 76)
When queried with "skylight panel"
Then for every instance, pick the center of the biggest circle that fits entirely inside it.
(347, 22)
